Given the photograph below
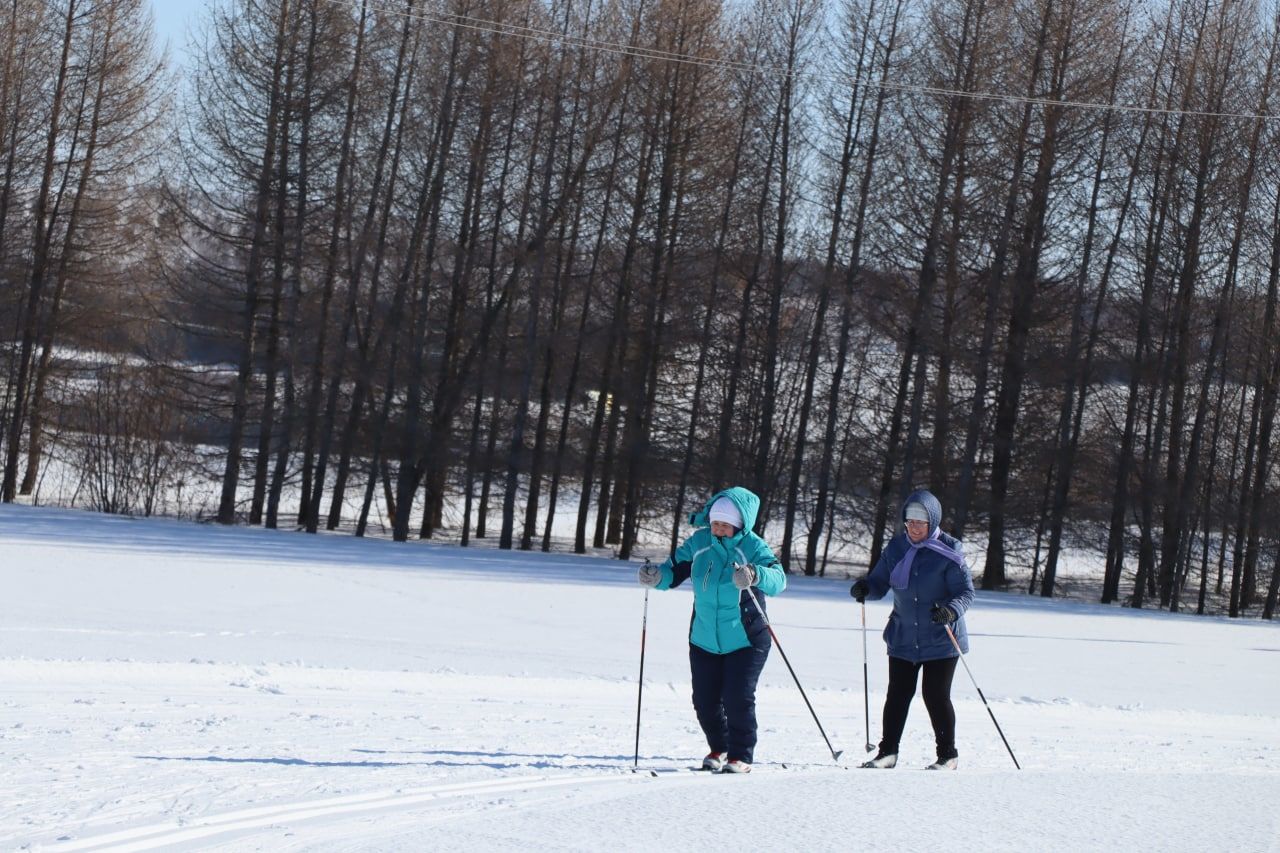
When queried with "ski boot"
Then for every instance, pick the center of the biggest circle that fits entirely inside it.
(882, 762)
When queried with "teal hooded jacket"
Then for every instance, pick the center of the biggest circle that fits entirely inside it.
(724, 617)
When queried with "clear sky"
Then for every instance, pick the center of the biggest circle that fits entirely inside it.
(172, 19)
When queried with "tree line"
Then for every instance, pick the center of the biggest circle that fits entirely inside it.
(499, 267)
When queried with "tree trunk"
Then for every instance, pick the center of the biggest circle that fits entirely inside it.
(1025, 286)
(389, 145)
(271, 369)
(50, 324)
(1180, 486)
(411, 468)
(306, 517)
(285, 449)
(796, 15)
(850, 140)
(516, 451)
(917, 329)
(244, 373)
(1161, 194)
(853, 273)
(995, 280)
(1073, 398)
(39, 266)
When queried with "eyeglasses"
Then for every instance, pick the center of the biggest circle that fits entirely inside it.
(912, 522)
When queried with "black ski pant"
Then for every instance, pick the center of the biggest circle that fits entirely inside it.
(724, 696)
(937, 699)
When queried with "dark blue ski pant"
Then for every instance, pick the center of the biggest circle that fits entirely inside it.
(724, 696)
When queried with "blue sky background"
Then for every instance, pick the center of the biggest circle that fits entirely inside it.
(172, 19)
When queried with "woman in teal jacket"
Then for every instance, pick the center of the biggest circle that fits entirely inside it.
(728, 638)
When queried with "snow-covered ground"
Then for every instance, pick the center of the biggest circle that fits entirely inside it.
(169, 685)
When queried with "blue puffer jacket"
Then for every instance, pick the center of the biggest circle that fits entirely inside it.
(724, 619)
(911, 633)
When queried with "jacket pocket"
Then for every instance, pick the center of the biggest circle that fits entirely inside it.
(890, 634)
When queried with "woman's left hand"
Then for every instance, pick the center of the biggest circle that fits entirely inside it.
(941, 614)
(744, 575)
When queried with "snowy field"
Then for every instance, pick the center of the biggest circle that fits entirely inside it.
(174, 686)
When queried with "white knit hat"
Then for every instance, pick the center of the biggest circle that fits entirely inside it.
(916, 512)
(726, 510)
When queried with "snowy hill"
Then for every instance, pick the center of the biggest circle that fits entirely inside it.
(169, 685)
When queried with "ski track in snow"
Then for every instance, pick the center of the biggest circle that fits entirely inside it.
(205, 829)
(171, 686)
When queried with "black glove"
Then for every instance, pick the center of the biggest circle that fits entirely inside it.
(860, 589)
(941, 614)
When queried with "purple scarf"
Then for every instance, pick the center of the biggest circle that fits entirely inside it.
(901, 573)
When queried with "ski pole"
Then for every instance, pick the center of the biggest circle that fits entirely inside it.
(835, 753)
(984, 698)
(644, 628)
(866, 699)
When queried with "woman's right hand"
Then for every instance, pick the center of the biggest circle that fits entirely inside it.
(649, 575)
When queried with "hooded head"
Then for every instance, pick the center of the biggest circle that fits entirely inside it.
(737, 498)
(923, 503)
(724, 509)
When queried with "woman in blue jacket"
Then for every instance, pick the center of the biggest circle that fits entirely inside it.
(728, 638)
(932, 589)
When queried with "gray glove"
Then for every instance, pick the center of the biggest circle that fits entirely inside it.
(649, 575)
(744, 575)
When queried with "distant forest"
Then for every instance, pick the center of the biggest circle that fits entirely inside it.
(458, 268)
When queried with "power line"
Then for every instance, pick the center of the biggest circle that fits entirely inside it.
(502, 28)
